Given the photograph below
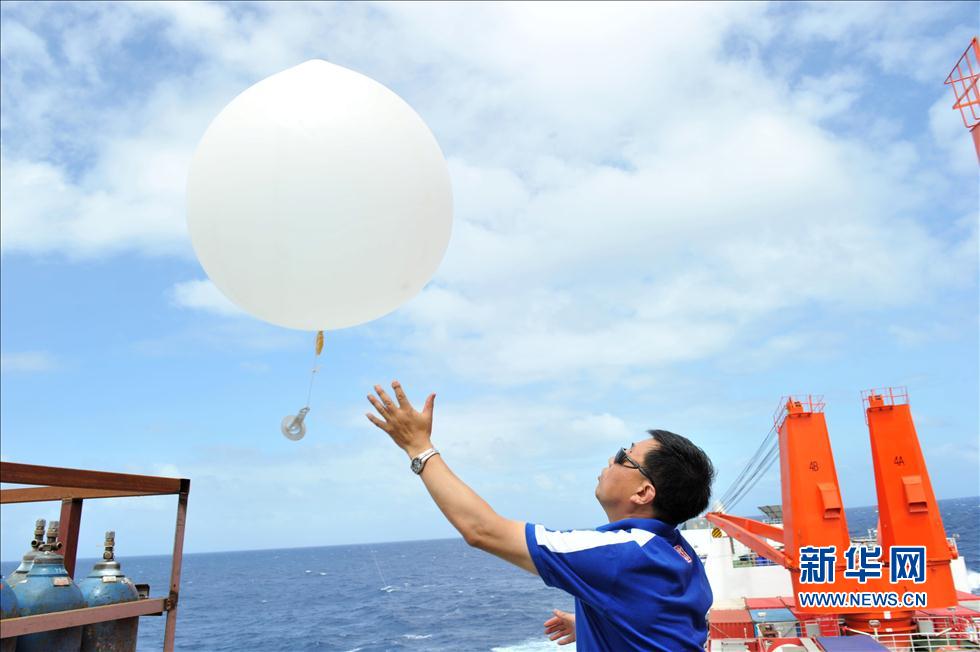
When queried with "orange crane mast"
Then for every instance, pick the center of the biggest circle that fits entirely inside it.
(813, 515)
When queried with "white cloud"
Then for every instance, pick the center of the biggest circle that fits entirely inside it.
(167, 470)
(490, 429)
(637, 186)
(630, 193)
(923, 334)
(203, 295)
(230, 335)
(951, 135)
(496, 443)
(255, 367)
(44, 211)
(641, 268)
(27, 362)
(893, 35)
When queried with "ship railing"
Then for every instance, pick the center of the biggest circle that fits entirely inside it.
(951, 637)
(720, 633)
(808, 402)
(751, 560)
(886, 395)
(71, 487)
(883, 397)
(825, 625)
(954, 547)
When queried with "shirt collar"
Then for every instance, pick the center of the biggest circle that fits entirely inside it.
(649, 524)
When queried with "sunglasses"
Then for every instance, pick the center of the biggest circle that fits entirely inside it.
(622, 458)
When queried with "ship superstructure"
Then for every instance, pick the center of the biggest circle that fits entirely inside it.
(798, 580)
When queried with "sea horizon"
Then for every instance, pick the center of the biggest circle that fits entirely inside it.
(433, 595)
(398, 541)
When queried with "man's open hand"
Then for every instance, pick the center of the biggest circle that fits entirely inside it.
(561, 627)
(409, 429)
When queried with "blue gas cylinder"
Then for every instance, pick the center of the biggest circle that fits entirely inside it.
(8, 609)
(25, 563)
(48, 588)
(107, 584)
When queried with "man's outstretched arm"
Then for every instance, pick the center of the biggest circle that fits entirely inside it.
(480, 526)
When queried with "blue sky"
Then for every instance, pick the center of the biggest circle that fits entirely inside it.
(665, 217)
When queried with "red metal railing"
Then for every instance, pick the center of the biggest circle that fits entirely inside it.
(71, 487)
(885, 396)
(963, 79)
(807, 403)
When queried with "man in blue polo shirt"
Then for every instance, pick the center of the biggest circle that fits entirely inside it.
(638, 585)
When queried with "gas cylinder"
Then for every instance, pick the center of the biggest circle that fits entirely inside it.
(48, 588)
(8, 609)
(25, 564)
(107, 584)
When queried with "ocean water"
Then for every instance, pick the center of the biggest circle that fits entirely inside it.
(422, 595)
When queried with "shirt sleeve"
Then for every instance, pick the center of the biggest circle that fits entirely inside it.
(584, 563)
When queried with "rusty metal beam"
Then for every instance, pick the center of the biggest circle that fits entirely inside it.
(71, 486)
(43, 494)
(60, 477)
(754, 541)
(78, 617)
(170, 629)
(71, 520)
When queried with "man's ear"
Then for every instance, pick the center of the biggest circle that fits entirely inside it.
(644, 495)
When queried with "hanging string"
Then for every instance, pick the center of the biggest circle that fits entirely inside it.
(384, 582)
(317, 349)
(293, 427)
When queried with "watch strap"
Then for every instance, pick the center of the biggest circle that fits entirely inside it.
(418, 463)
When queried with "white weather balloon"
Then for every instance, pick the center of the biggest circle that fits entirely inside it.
(318, 199)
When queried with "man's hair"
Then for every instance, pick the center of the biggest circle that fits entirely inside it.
(682, 476)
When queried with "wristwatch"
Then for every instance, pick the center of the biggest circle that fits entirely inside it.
(418, 463)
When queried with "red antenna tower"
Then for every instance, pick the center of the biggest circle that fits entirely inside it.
(964, 78)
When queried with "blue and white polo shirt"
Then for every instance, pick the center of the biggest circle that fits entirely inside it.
(638, 585)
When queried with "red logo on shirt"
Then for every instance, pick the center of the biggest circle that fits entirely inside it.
(680, 551)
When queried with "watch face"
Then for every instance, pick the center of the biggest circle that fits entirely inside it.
(416, 465)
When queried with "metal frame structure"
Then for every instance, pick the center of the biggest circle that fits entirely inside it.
(964, 79)
(71, 487)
